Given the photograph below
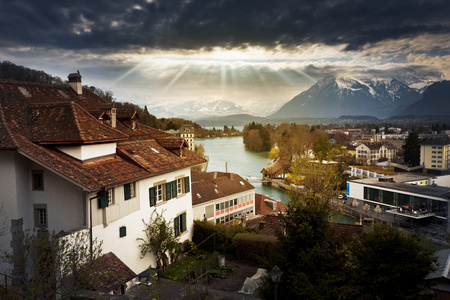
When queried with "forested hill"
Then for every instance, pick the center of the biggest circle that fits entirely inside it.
(11, 71)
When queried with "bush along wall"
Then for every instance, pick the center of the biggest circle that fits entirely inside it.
(260, 249)
(223, 240)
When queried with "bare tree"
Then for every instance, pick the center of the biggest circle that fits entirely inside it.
(52, 265)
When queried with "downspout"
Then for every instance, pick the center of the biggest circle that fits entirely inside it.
(91, 241)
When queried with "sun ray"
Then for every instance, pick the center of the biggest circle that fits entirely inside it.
(304, 74)
(175, 79)
(223, 79)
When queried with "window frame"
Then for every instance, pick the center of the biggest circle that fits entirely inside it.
(180, 224)
(37, 174)
(129, 191)
(37, 209)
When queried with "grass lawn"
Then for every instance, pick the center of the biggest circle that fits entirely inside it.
(189, 264)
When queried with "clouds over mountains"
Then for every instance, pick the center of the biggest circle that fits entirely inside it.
(197, 24)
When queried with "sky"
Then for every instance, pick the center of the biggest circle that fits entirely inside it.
(256, 53)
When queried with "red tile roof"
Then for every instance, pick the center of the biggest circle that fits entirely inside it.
(67, 123)
(267, 224)
(111, 273)
(33, 114)
(263, 207)
(215, 185)
(347, 230)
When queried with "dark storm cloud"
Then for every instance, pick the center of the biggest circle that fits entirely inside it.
(195, 24)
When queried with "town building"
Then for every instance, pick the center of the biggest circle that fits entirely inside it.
(370, 171)
(406, 200)
(367, 152)
(222, 198)
(187, 132)
(435, 155)
(73, 162)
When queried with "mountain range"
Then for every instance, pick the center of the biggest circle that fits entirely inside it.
(336, 96)
(199, 110)
(434, 102)
(381, 95)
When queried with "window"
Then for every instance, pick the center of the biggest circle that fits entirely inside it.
(179, 224)
(103, 200)
(110, 196)
(122, 231)
(40, 215)
(180, 186)
(129, 190)
(156, 194)
(38, 180)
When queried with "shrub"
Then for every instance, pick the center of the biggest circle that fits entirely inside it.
(257, 248)
(223, 240)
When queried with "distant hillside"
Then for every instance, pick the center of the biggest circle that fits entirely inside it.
(435, 102)
(333, 97)
(236, 120)
(11, 71)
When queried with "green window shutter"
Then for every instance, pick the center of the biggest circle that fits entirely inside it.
(183, 222)
(168, 191)
(176, 226)
(174, 189)
(122, 231)
(103, 201)
(152, 195)
(187, 186)
(127, 191)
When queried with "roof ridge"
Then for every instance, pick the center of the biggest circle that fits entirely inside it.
(77, 121)
(7, 129)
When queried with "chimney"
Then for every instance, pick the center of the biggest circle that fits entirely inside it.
(113, 117)
(75, 83)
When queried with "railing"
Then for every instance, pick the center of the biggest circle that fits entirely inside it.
(8, 287)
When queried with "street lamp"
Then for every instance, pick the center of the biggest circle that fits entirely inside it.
(276, 277)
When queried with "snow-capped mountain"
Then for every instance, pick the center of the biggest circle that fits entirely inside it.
(435, 101)
(198, 109)
(333, 97)
(416, 79)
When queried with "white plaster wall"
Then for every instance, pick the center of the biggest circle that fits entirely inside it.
(442, 180)
(199, 209)
(127, 248)
(8, 196)
(65, 201)
(355, 190)
(85, 152)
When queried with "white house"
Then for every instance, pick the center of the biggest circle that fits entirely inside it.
(220, 197)
(65, 169)
(374, 151)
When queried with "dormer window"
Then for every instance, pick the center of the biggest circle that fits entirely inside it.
(133, 124)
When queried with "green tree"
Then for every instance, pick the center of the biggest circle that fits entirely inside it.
(321, 146)
(411, 149)
(386, 263)
(160, 240)
(313, 259)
